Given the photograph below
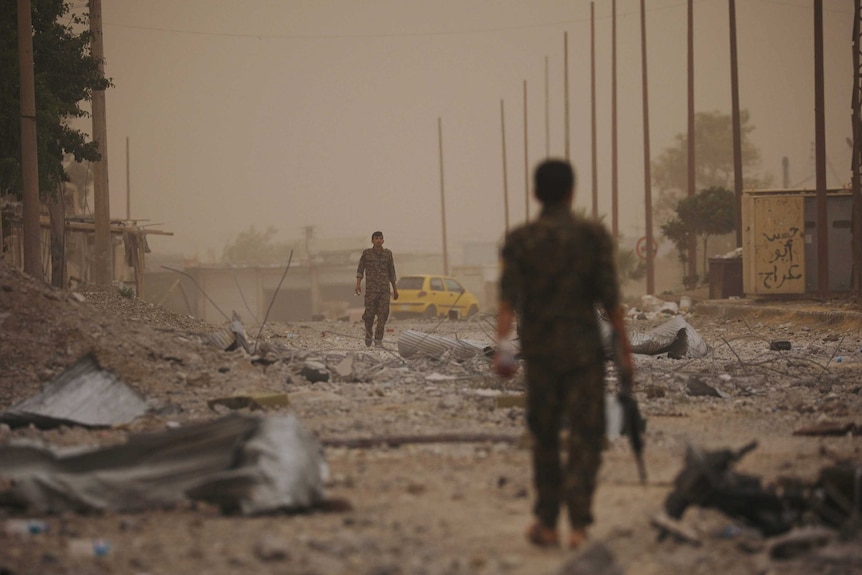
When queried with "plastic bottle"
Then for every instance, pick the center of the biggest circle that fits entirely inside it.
(25, 526)
(89, 547)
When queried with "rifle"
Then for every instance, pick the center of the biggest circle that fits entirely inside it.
(633, 423)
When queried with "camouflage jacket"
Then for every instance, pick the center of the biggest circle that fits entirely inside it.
(378, 266)
(556, 269)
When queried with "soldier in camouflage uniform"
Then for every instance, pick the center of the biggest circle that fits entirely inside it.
(378, 266)
(556, 269)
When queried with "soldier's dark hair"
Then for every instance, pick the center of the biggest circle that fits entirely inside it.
(554, 180)
(376, 234)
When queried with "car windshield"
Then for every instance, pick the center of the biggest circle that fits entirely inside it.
(411, 282)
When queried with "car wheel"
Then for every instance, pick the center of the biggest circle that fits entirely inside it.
(431, 311)
(474, 309)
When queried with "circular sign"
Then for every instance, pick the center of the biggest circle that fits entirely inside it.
(641, 250)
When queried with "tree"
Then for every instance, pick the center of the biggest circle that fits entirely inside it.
(678, 233)
(709, 212)
(66, 76)
(252, 247)
(629, 266)
(713, 149)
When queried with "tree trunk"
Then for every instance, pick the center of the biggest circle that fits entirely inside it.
(57, 212)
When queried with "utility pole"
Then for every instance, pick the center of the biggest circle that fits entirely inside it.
(526, 162)
(128, 183)
(594, 154)
(566, 94)
(737, 125)
(547, 112)
(29, 155)
(505, 175)
(692, 241)
(823, 289)
(650, 255)
(101, 196)
(615, 228)
(442, 198)
(856, 161)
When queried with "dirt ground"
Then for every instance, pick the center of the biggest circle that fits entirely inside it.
(432, 508)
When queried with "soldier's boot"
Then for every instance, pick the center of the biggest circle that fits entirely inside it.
(368, 329)
(577, 537)
(542, 536)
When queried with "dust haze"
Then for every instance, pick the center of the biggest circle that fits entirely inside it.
(325, 113)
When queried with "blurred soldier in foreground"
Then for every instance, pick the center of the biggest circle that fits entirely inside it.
(378, 267)
(556, 269)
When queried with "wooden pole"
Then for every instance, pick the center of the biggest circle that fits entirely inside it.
(526, 162)
(823, 288)
(128, 183)
(692, 241)
(615, 228)
(650, 255)
(442, 198)
(101, 196)
(547, 112)
(737, 124)
(31, 242)
(593, 125)
(505, 174)
(856, 161)
(566, 94)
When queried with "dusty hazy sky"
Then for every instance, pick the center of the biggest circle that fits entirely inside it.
(294, 113)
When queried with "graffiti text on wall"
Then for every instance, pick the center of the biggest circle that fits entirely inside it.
(785, 265)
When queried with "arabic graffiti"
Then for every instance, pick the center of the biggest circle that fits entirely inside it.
(785, 266)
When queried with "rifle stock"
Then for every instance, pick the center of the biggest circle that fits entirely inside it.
(633, 423)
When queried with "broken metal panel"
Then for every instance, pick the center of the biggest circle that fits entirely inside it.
(85, 394)
(676, 337)
(412, 343)
(240, 463)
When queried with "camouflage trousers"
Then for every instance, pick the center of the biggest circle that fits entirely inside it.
(376, 306)
(576, 396)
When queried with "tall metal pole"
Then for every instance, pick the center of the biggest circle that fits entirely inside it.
(823, 288)
(526, 162)
(566, 94)
(594, 152)
(101, 196)
(737, 124)
(29, 156)
(442, 198)
(650, 258)
(505, 171)
(547, 111)
(856, 161)
(128, 184)
(692, 241)
(615, 228)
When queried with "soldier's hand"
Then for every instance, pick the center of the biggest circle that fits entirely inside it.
(395, 294)
(505, 364)
(358, 290)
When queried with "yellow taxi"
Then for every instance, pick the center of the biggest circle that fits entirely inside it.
(433, 296)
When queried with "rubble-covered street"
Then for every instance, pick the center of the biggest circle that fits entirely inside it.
(426, 470)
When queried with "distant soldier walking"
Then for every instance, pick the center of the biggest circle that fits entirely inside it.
(378, 267)
(556, 270)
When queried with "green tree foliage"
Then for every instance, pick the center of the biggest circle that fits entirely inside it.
(253, 247)
(713, 153)
(629, 266)
(710, 212)
(65, 77)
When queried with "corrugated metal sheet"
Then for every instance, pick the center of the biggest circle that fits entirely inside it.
(85, 394)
